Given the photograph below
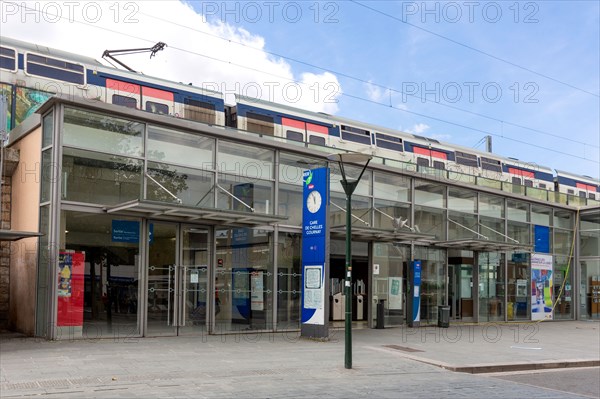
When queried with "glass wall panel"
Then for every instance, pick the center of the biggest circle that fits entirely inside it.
(364, 186)
(257, 194)
(246, 161)
(462, 200)
(289, 280)
(519, 286)
(563, 241)
(182, 148)
(290, 170)
(245, 279)
(389, 283)
(563, 219)
(541, 215)
(192, 187)
(492, 228)
(430, 221)
(101, 132)
(45, 263)
(98, 178)
(520, 232)
(110, 273)
(392, 215)
(47, 129)
(590, 289)
(430, 194)
(48, 169)
(361, 210)
(391, 187)
(433, 282)
(460, 224)
(562, 289)
(589, 235)
(490, 205)
(518, 211)
(290, 204)
(491, 286)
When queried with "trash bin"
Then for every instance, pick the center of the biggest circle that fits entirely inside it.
(380, 315)
(443, 316)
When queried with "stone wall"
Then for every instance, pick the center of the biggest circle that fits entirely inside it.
(5, 247)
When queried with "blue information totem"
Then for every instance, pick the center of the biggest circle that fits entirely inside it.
(414, 294)
(315, 270)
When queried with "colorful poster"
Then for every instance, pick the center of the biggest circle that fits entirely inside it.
(70, 288)
(541, 287)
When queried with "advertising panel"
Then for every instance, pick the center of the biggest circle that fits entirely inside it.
(541, 286)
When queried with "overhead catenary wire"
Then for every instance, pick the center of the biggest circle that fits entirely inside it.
(485, 53)
(73, 20)
(391, 90)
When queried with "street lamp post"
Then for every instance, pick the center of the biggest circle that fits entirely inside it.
(349, 187)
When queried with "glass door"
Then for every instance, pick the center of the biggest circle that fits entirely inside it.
(195, 258)
(162, 279)
(491, 286)
(178, 259)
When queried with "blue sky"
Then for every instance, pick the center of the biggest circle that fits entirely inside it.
(524, 72)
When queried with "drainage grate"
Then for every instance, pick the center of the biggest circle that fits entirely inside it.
(402, 348)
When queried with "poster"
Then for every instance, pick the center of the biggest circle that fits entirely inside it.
(395, 293)
(313, 287)
(541, 287)
(70, 288)
(257, 300)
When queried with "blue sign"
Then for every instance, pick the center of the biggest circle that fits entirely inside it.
(314, 240)
(125, 231)
(541, 235)
(416, 290)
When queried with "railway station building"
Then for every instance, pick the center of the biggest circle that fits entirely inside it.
(152, 225)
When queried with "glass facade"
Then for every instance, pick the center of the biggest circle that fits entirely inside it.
(190, 278)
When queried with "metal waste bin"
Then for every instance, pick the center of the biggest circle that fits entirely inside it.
(443, 316)
(380, 315)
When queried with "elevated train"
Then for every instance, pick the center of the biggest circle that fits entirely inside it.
(30, 74)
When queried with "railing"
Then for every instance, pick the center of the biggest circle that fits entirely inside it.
(451, 175)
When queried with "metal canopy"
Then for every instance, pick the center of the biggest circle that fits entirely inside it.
(369, 233)
(484, 245)
(12, 235)
(181, 213)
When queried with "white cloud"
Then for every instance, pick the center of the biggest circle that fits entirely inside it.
(419, 128)
(192, 51)
(374, 92)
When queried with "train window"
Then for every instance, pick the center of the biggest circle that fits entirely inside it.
(491, 164)
(125, 101)
(157, 108)
(199, 111)
(261, 124)
(582, 194)
(592, 196)
(516, 180)
(569, 191)
(528, 183)
(55, 69)
(439, 165)
(294, 136)
(8, 59)
(318, 140)
(463, 158)
(356, 135)
(542, 185)
(422, 161)
(389, 142)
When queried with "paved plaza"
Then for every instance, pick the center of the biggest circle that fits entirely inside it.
(463, 361)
